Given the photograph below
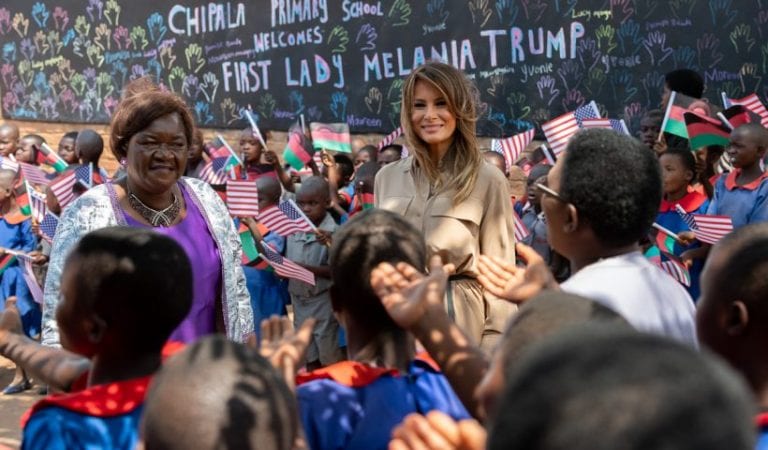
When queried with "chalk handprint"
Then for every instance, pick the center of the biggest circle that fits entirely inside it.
(191, 86)
(79, 44)
(497, 84)
(65, 69)
(25, 72)
(166, 56)
(722, 12)
(707, 48)
(570, 73)
(156, 27)
(400, 13)
(373, 100)
(67, 98)
(624, 89)
(622, 9)
(436, 11)
(119, 72)
(203, 112)
(366, 37)
(761, 20)
(40, 14)
(534, 9)
(102, 35)
(296, 100)
(605, 38)
(121, 37)
(104, 85)
(49, 108)
(589, 54)
(20, 24)
(77, 83)
(56, 82)
(741, 38)
(518, 107)
(95, 55)
(314, 114)
(28, 48)
(266, 105)
(685, 57)
(8, 75)
(137, 71)
(507, 11)
(41, 84)
(209, 86)
(195, 60)
(10, 101)
(732, 89)
(652, 84)
(480, 11)
(629, 37)
(176, 79)
(547, 90)
(633, 113)
(573, 100)
(60, 18)
(229, 111)
(682, 9)
(82, 27)
(595, 81)
(656, 46)
(94, 9)
(54, 42)
(112, 12)
(139, 38)
(34, 101)
(5, 21)
(750, 78)
(110, 103)
(9, 52)
(90, 77)
(338, 39)
(154, 69)
(339, 106)
(68, 37)
(764, 51)
(41, 43)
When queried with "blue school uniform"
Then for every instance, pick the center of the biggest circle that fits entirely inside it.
(16, 234)
(762, 432)
(350, 405)
(696, 203)
(743, 204)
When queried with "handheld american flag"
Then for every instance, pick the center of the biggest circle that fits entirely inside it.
(33, 174)
(512, 147)
(521, 231)
(8, 163)
(674, 267)
(215, 171)
(285, 267)
(559, 130)
(242, 198)
(84, 175)
(286, 219)
(390, 138)
(37, 203)
(708, 229)
(751, 102)
(48, 226)
(617, 125)
(29, 277)
(62, 188)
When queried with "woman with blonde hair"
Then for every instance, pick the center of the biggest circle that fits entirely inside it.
(461, 204)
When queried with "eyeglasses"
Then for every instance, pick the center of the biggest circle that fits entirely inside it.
(549, 191)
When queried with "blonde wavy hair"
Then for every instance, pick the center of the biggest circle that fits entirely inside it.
(462, 162)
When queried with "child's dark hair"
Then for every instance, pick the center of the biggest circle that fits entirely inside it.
(614, 182)
(685, 81)
(70, 135)
(597, 387)
(345, 164)
(367, 172)
(138, 281)
(252, 408)
(686, 158)
(370, 238)
(372, 151)
(392, 147)
(654, 114)
(745, 276)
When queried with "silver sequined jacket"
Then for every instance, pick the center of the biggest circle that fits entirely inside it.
(98, 209)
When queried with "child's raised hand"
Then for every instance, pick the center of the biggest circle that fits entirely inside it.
(38, 258)
(686, 237)
(515, 284)
(271, 158)
(251, 223)
(324, 237)
(284, 348)
(437, 431)
(327, 159)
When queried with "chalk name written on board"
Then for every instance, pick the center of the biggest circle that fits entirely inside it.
(354, 10)
(529, 70)
(716, 75)
(185, 20)
(221, 45)
(288, 12)
(37, 65)
(265, 41)
(383, 65)
(589, 14)
(356, 121)
(496, 71)
(668, 23)
(610, 62)
(537, 43)
(247, 53)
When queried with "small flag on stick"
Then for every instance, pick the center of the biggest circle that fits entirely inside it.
(242, 198)
(285, 267)
(331, 136)
(512, 147)
(706, 228)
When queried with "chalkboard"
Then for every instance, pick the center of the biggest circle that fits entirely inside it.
(342, 60)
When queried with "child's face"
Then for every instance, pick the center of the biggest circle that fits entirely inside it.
(649, 131)
(674, 176)
(312, 203)
(67, 150)
(533, 191)
(250, 147)
(25, 152)
(743, 150)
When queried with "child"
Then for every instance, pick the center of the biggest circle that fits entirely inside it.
(310, 250)
(67, 148)
(389, 154)
(89, 146)
(28, 148)
(496, 159)
(9, 140)
(366, 154)
(269, 293)
(233, 399)
(533, 217)
(707, 159)
(357, 403)
(363, 193)
(650, 127)
(251, 151)
(195, 159)
(113, 324)
(677, 172)
(16, 234)
(732, 319)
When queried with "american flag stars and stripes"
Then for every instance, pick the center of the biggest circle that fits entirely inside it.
(285, 267)
(751, 102)
(242, 198)
(33, 174)
(48, 226)
(706, 228)
(84, 176)
(521, 231)
(62, 188)
(617, 125)
(676, 269)
(8, 163)
(214, 172)
(559, 130)
(285, 219)
(37, 202)
(512, 147)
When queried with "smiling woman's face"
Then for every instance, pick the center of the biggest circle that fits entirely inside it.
(157, 155)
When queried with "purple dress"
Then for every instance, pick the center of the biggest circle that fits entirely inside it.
(194, 237)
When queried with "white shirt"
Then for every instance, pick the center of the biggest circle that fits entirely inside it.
(646, 296)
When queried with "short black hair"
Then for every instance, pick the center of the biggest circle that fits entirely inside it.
(252, 406)
(319, 184)
(685, 81)
(655, 114)
(745, 275)
(138, 281)
(686, 157)
(538, 171)
(346, 165)
(392, 147)
(597, 387)
(367, 173)
(368, 239)
(70, 135)
(614, 182)
(372, 151)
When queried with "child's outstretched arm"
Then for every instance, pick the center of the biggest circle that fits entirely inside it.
(415, 302)
(282, 175)
(56, 367)
(516, 284)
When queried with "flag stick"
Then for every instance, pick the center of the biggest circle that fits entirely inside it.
(255, 128)
(667, 232)
(725, 120)
(229, 148)
(303, 216)
(303, 125)
(666, 116)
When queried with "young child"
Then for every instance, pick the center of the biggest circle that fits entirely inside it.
(389, 154)
(678, 170)
(9, 140)
(89, 146)
(732, 319)
(650, 127)
(195, 159)
(27, 150)
(113, 325)
(233, 399)
(251, 151)
(357, 403)
(310, 250)
(16, 234)
(67, 148)
(533, 217)
(496, 159)
(363, 193)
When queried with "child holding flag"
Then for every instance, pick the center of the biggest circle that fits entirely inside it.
(252, 148)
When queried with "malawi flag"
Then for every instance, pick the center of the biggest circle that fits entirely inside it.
(299, 151)
(52, 158)
(331, 136)
(738, 115)
(703, 131)
(250, 253)
(22, 198)
(6, 261)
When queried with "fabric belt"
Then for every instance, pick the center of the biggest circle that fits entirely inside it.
(449, 307)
